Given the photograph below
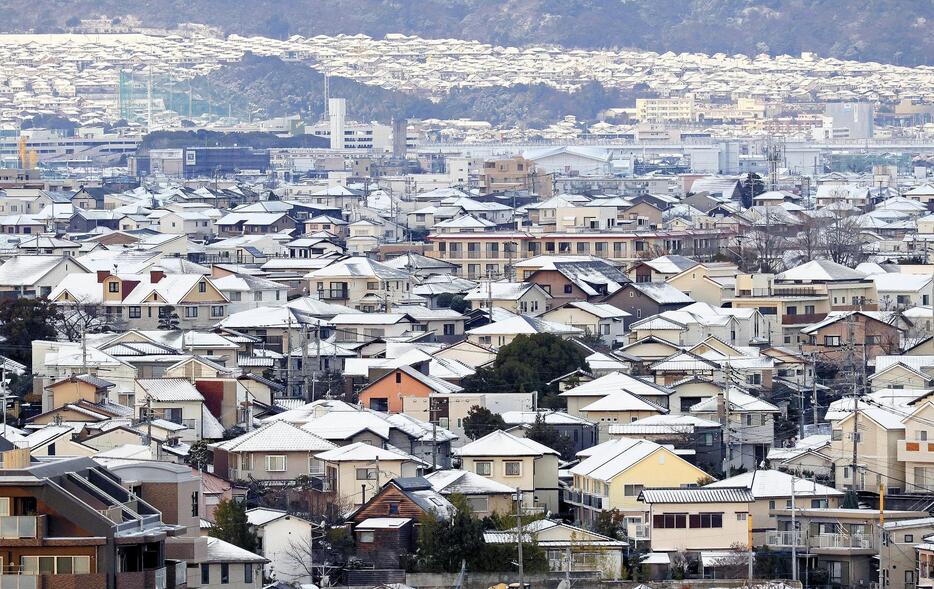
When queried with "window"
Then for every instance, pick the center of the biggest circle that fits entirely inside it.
(909, 538)
(484, 469)
(225, 573)
(372, 285)
(873, 340)
(771, 504)
(568, 289)
(135, 312)
(191, 312)
(217, 310)
(366, 474)
(670, 520)
(56, 565)
(113, 286)
(832, 341)
(205, 574)
(512, 468)
(248, 574)
(632, 490)
(398, 377)
(275, 463)
(448, 329)
(836, 435)
(479, 504)
(366, 536)
(706, 520)
(246, 461)
(741, 517)
(818, 503)
(202, 286)
(194, 504)
(392, 508)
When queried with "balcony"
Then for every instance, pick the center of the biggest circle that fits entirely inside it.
(638, 531)
(28, 581)
(333, 294)
(176, 574)
(843, 542)
(16, 527)
(148, 579)
(803, 318)
(784, 538)
(19, 582)
(917, 451)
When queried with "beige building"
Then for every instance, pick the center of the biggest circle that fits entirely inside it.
(278, 451)
(356, 472)
(519, 463)
(364, 283)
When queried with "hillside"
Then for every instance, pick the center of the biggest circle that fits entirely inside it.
(281, 88)
(895, 31)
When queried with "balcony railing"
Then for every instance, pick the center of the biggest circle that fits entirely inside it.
(334, 293)
(159, 578)
(844, 541)
(638, 531)
(19, 581)
(803, 318)
(784, 538)
(18, 526)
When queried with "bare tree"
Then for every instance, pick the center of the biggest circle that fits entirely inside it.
(82, 317)
(842, 239)
(765, 241)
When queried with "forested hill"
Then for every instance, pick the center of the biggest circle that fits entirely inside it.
(893, 31)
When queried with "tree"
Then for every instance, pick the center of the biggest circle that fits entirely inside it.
(82, 317)
(168, 319)
(231, 525)
(23, 321)
(842, 239)
(751, 187)
(480, 421)
(529, 363)
(548, 436)
(199, 455)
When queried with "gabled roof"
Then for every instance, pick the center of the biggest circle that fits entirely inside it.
(622, 401)
(617, 381)
(608, 460)
(739, 401)
(662, 293)
(363, 452)
(464, 482)
(774, 483)
(500, 443)
(524, 324)
(168, 389)
(278, 436)
(728, 494)
(820, 271)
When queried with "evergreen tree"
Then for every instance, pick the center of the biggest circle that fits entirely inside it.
(231, 525)
(480, 421)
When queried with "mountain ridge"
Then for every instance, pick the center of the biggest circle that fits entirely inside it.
(891, 31)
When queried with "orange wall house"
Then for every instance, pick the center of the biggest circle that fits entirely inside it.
(386, 393)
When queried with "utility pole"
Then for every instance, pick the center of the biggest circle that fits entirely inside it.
(794, 534)
(519, 536)
(749, 541)
(84, 349)
(288, 353)
(305, 362)
(882, 571)
(814, 389)
(855, 460)
(314, 374)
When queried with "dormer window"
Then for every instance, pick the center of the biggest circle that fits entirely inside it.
(202, 286)
(113, 286)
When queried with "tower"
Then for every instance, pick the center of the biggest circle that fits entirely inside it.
(337, 111)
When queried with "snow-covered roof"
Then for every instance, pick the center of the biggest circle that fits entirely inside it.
(277, 436)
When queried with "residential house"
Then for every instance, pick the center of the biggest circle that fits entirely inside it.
(653, 395)
(36, 276)
(569, 549)
(178, 401)
(520, 463)
(387, 393)
(752, 423)
(366, 284)
(597, 320)
(516, 297)
(501, 333)
(248, 292)
(870, 332)
(576, 279)
(660, 269)
(277, 451)
(354, 473)
(484, 495)
(699, 441)
(283, 539)
(579, 431)
(613, 474)
(877, 434)
(647, 299)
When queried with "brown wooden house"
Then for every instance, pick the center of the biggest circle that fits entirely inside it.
(386, 526)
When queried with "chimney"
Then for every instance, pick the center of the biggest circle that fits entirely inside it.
(156, 274)
(102, 275)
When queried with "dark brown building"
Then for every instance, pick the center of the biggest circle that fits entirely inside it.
(69, 523)
(645, 299)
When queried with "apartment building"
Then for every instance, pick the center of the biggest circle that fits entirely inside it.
(69, 522)
(490, 252)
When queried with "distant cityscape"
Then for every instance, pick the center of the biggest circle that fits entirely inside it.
(341, 311)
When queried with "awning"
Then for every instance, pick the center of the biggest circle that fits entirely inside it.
(656, 558)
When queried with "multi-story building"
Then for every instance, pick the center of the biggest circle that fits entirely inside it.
(491, 252)
(71, 523)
